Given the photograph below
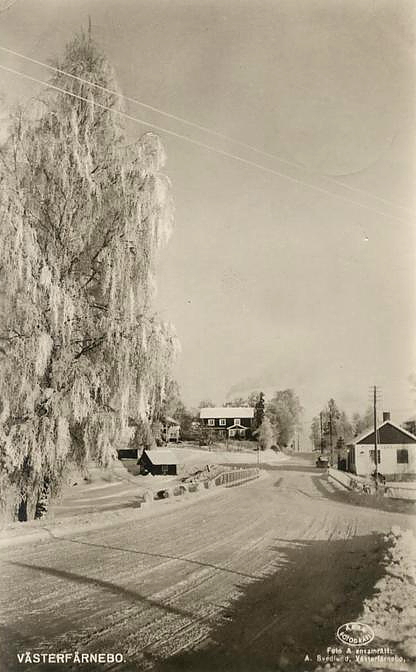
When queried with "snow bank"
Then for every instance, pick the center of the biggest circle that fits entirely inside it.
(391, 611)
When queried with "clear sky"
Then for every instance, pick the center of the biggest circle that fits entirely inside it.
(271, 282)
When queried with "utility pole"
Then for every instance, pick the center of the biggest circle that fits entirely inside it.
(330, 436)
(322, 438)
(375, 433)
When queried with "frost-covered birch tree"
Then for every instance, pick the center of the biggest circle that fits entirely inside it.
(82, 216)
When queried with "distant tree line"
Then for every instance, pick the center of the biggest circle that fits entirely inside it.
(333, 428)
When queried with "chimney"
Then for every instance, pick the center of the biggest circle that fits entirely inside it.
(386, 416)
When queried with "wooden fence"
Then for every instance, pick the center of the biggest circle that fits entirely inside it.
(236, 476)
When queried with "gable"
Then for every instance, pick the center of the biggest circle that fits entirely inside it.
(388, 433)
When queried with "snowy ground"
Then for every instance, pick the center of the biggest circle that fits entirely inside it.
(124, 487)
(252, 578)
(189, 454)
(390, 612)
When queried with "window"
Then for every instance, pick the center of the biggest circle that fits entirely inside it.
(237, 421)
(222, 422)
(372, 456)
(165, 468)
(402, 456)
(211, 422)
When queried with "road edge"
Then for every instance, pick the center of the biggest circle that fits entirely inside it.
(41, 532)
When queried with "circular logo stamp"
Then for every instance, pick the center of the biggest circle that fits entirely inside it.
(355, 634)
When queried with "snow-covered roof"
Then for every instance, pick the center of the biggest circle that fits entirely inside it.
(161, 456)
(227, 412)
(170, 421)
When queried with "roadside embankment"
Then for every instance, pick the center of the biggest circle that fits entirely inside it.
(343, 492)
(391, 489)
(150, 504)
(390, 612)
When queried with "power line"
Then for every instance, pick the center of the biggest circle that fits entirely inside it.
(203, 145)
(200, 127)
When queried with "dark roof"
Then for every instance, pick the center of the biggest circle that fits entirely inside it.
(388, 433)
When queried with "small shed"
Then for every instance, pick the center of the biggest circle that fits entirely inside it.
(159, 462)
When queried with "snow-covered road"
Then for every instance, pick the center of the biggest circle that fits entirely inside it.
(251, 578)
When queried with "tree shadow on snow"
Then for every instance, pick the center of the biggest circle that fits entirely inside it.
(149, 554)
(12, 643)
(295, 611)
(120, 591)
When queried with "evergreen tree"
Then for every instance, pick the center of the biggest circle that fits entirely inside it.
(259, 411)
(82, 217)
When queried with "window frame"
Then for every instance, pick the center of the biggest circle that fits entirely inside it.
(222, 422)
(237, 421)
(211, 422)
(402, 451)
(372, 455)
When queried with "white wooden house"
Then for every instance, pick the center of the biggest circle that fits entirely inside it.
(396, 452)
